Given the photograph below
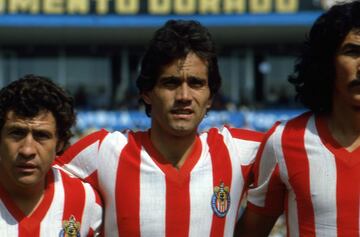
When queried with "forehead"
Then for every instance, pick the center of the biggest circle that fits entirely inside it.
(191, 64)
(43, 120)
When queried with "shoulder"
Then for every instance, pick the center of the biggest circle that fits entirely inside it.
(299, 121)
(284, 131)
(105, 138)
(235, 133)
(72, 185)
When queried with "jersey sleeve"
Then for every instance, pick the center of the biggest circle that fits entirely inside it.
(81, 159)
(246, 143)
(266, 194)
(93, 212)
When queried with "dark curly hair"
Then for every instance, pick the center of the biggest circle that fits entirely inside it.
(314, 72)
(31, 94)
(174, 41)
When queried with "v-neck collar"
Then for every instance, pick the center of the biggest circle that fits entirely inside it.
(350, 158)
(41, 209)
(176, 175)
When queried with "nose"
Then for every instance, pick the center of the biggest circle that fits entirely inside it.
(183, 92)
(28, 148)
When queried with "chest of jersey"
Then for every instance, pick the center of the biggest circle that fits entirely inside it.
(151, 198)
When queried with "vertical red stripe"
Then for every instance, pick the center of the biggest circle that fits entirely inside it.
(127, 188)
(222, 172)
(298, 170)
(74, 194)
(347, 200)
(91, 233)
(177, 207)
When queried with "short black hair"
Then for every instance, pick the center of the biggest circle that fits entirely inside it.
(174, 41)
(314, 72)
(30, 95)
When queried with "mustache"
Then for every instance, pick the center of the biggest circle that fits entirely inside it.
(354, 83)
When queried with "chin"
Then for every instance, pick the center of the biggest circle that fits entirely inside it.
(182, 131)
(28, 181)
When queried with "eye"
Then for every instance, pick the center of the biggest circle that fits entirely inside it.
(17, 133)
(42, 135)
(352, 52)
(197, 83)
(170, 82)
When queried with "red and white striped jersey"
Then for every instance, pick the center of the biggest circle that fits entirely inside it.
(146, 196)
(303, 170)
(67, 203)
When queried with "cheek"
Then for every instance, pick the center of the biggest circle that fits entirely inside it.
(48, 154)
(345, 68)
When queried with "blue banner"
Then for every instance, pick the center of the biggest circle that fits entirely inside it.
(260, 120)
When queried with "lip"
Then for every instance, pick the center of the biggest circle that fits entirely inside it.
(26, 168)
(182, 113)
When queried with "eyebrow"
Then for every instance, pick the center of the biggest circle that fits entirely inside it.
(164, 78)
(25, 128)
(350, 46)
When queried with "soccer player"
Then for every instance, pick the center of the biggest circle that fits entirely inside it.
(36, 199)
(309, 166)
(170, 180)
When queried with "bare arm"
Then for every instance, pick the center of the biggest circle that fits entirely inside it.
(252, 224)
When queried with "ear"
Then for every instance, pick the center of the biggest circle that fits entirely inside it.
(145, 96)
(209, 103)
(59, 146)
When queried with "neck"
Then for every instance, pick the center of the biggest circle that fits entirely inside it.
(174, 149)
(344, 125)
(25, 198)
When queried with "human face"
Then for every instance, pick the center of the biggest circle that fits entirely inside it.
(347, 66)
(181, 97)
(27, 148)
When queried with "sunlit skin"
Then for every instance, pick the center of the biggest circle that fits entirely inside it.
(179, 101)
(27, 148)
(344, 122)
(347, 65)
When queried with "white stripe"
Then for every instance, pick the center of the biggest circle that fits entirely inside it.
(92, 211)
(201, 185)
(322, 182)
(85, 162)
(53, 218)
(293, 218)
(267, 165)
(152, 194)
(8, 224)
(241, 152)
(109, 155)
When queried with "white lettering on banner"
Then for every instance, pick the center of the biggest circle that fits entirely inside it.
(102, 6)
(127, 6)
(184, 6)
(162, 7)
(151, 7)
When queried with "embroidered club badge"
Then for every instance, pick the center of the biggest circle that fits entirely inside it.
(220, 201)
(71, 228)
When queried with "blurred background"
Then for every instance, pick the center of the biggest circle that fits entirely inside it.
(93, 49)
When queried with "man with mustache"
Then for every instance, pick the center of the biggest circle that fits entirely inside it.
(36, 199)
(309, 166)
(170, 180)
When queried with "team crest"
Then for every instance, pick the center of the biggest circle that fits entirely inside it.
(71, 228)
(220, 201)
